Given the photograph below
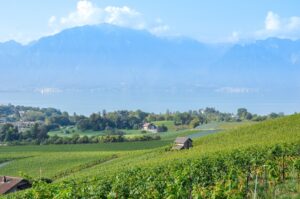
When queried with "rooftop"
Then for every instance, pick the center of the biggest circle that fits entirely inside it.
(7, 183)
(181, 140)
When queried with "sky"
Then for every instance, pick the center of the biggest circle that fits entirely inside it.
(210, 21)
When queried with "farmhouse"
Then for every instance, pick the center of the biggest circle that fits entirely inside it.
(10, 184)
(183, 143)
(150, 127)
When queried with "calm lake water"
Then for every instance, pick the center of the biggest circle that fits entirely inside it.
(86, 101)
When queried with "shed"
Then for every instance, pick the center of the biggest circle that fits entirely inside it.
(183, 143)
(10, 184)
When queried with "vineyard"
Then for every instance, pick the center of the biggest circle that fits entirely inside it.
(239, 174)
(253, 161)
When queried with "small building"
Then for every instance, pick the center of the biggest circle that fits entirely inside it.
(150, 127)
(183, 143)
(10, 184)
(23, 126)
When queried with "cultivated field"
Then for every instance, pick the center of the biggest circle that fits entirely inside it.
(232, 162)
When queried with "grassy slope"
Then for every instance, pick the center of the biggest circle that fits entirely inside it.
(283, 130)
(280, 130)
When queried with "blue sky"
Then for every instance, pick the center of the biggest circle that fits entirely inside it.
(205, 20)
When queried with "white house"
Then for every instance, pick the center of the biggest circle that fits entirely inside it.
(150, 127)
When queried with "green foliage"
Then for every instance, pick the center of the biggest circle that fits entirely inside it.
(52, 119)
(9, 133)
(223, 165)
(113, 120)
(195, 122)
(162, 128)
(221, 175)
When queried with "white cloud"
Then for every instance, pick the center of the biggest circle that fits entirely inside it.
(272, 21)
(85, 9)
(123, 16)
(87, 13)
(52, 20)
(160, 29)
(277, 26)
(234, 37)
(294, 23)
(236, 90)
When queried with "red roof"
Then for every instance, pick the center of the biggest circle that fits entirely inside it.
(7, 183)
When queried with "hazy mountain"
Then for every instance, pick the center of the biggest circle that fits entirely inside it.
(110, 55)
(97, 54)
(263, 62)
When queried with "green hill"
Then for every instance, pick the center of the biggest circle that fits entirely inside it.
(282, 130)
(257, 160)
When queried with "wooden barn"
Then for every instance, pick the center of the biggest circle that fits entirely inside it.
(183, 143)
(10, 184)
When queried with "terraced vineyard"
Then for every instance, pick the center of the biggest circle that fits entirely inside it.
(258, 160)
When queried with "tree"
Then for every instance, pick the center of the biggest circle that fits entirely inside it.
(162, 128)
(103, 113)
(195, 122)
(75, 138)
(39, 132)
(242, 113)
(9, 133)
(83, 124)
(273, 115)
(62, 120)
(248, 116)
(83, 140)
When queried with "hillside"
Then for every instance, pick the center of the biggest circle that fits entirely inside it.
(283, 130)
(217, 165)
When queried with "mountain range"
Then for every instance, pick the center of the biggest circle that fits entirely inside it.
(111, 55)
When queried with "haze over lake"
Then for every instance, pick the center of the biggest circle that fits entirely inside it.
(86, 101)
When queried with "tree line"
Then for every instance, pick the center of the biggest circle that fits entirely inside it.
(51, 119)
(38, 134)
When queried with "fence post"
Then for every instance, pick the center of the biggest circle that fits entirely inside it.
(255, 189)
(266, 178)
